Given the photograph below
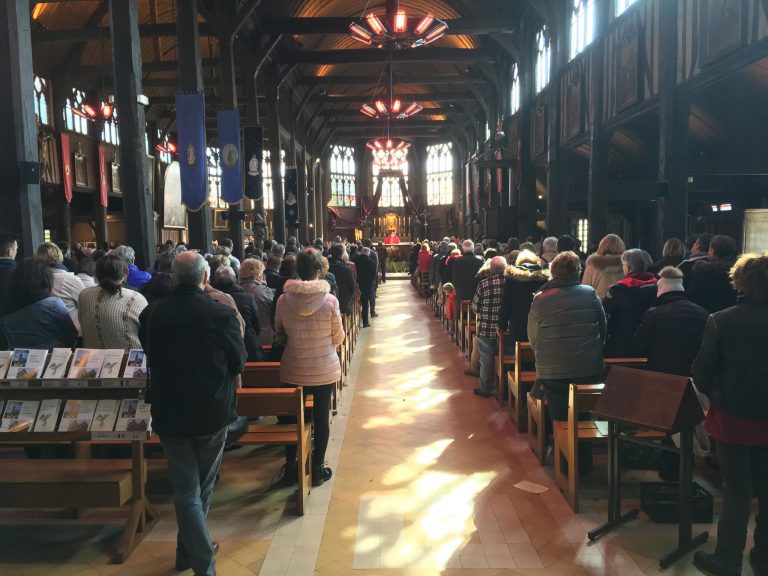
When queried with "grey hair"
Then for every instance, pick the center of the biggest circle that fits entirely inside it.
(126, 253)
(498, 264)
(189, 268)
(443, 247)
(226, 275)
(635, 259)
(468, 246)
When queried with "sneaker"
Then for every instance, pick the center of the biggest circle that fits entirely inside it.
(714, 565)
(183, 562)
(481, 392)
(321, 475)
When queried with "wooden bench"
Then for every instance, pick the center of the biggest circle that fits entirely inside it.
(537, 410)
(520, 380)
(567, 435)
(464, 307)
(423, 286)
(259, 402)
(503, 362)
(470, 331)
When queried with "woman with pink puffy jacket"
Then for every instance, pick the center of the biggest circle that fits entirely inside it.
(308, 319)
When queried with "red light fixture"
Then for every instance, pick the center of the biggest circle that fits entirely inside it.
(168, 148)
(369, 111)
(397, 30)
(396, 109)
(106, 111)
(381, 107)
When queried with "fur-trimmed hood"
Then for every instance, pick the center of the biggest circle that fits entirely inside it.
(707, 266)
(527, 272)
(306, 297)
(604, 261)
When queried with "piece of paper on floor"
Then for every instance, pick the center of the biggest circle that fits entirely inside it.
(531, 487)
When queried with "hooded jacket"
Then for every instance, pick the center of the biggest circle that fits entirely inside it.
(522, 282)
(625, 304)
(309, 317)
(566, 328)
(601, 271)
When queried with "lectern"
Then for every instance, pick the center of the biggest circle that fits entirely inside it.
(637, 399)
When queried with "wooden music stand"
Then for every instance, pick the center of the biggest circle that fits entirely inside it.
(662, 403)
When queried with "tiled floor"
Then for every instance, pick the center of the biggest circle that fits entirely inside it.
(423, 485)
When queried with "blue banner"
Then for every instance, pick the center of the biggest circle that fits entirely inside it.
(291, 197)
(253, 142)
(228, 123)
(190, 129)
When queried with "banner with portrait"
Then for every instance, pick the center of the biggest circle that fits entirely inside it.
(253, 143)
(190, 128)
(228, 123)
(66, 168)
(291, 197)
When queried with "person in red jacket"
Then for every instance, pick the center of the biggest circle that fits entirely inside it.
(425, 257)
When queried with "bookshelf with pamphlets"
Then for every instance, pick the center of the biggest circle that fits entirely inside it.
(80, 397)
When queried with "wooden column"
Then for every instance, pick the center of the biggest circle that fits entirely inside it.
(526, 211)
(672, 204)
(191, 80)
(597, 186)
(21, 208)
(557, 197)
(273, 111)
(229, 101)
(312, 184)
(303, 198)
(322, 209)
(137, 200)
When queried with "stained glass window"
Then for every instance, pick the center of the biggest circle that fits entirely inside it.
(343, 176)
(582, 25)
(582, 232)
(514, 100)
(214, 177)
(41, 100)
(74, 117)
(622, 5)
(266, 173)
(109, 130)
(440, 174)
(390, 187)
(543, 59)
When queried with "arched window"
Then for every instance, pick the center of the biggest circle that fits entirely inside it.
(514, 100)
(390, 187)
(582, 25)
(543, 59)
(214, 177)
(41, 100)
(622, 5)
(582, 232)
(74, 117)
(440, 174)
(343, 176)
(266, 178)
(109, 129)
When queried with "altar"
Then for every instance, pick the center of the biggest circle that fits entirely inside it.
(397, 256)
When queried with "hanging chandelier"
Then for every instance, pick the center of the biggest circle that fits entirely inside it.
(397, 30)
(391, 108)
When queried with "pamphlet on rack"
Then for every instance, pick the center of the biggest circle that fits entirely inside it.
(134, 416)
(5, 360)
(77, 416)
(136, 366)
(113, 359)
(87, 363)
(19, 415)
(48, 415)
(27, 363)
(57, 365)
(106, 415)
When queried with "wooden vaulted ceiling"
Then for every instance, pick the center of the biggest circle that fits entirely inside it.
(454, 85)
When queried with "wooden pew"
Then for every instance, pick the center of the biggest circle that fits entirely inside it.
(567, 435)
(537, 410)
(258, 402)
(470, 331)
(464, 308)
(503, 362)
(519, 382)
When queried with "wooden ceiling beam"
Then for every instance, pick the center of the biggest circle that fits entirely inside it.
(401, 80)
(374, 56)
(426, 112)
(306, 26)
(147, 67)
(91, 33)
(398, 125)
(425, 97)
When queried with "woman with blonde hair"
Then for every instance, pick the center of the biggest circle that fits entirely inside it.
(252, 281)
(604, 267)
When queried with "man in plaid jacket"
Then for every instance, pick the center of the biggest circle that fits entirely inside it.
(486, 305)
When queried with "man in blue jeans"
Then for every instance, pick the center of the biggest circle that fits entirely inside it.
(487, 305)
(194, 348)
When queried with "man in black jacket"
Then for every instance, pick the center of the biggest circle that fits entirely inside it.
(462, 272)
(375, 258)
(194, 349)
(8, 249)
(345, 279)
(366, 276)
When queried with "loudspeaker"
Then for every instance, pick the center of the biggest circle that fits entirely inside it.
(500, 223)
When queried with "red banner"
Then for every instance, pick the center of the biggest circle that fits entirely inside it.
(103, 182)
(66, 168)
